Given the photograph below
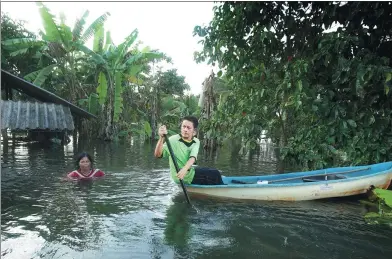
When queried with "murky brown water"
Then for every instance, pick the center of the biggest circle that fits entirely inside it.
(137, 212)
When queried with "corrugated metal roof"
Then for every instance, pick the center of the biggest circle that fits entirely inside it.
(10, 80)
(34, 115)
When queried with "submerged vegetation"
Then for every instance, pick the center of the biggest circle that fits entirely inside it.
(380, 207)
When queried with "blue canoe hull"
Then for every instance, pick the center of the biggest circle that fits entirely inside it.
(311, 185)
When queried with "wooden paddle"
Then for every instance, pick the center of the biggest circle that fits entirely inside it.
(177, 168)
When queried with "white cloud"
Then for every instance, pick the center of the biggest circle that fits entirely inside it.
(167, 26)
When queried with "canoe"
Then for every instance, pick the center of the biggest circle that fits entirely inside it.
(299, 186)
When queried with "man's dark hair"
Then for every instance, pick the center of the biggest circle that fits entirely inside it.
(192, 119)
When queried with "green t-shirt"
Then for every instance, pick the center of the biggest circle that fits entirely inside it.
(182, 151)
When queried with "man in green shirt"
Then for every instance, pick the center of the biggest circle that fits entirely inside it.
(186, 148)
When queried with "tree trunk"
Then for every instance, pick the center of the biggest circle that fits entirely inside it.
(106, 119)
(208, 106)
(154, 113)
(108, 129)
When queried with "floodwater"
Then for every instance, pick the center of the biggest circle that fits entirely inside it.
(136, 211)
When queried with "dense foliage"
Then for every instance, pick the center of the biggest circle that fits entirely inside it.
(114, 82)
(315, 75)
(11, 29)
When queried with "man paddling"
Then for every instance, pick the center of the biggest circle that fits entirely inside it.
(186, 148)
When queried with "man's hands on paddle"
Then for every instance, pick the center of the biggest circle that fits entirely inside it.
(181, 174)
(162, 131)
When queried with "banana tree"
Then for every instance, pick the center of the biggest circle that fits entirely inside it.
(172, 110)
(58, 49)
(118, 67)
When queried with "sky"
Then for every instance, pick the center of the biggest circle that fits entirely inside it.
(167, 26)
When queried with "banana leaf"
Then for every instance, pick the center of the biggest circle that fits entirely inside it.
(93, 104)
(98, 40)
(384, 195)
(381, 207)
(118, 100)
(39, 77)
(52, 31)
(95, 26)
(79, 25)
(102, 89)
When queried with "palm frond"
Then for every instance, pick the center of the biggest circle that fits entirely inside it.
(79, 26)
(65, 30)
(135, 69)
(102, 88)
(143, 58)
(52, 31)
(123, 47)
(43, 75)
(19, 52)
(108, 41)
(31, 76)
(98, 40)
(96, 57)
(94, 27)
(38, 77)
(21, 43)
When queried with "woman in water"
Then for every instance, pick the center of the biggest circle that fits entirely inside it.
(85, 170)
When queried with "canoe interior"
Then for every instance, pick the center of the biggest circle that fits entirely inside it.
(304, 177)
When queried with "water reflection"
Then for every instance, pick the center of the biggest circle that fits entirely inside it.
(85, 186)
(178, 223)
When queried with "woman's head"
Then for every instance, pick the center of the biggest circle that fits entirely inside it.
(84, 161)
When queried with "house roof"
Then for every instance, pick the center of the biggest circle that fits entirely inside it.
(34, 115)
(12, 81)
